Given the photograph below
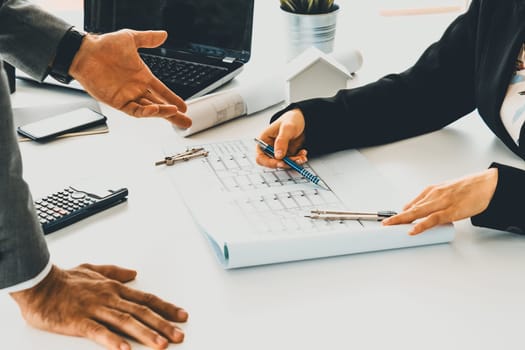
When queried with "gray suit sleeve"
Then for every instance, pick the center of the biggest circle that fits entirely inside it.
(29, 36)
(23, 250)
(28, 40)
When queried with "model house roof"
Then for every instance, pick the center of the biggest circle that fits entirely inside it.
(310, 57)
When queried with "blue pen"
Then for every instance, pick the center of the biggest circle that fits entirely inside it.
(266, 148)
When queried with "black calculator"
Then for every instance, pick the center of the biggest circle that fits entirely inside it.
(75, 203)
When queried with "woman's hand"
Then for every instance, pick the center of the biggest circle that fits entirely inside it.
(286, 134)
(448, 202)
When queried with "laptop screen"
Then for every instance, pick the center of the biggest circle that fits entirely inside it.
(215, 28)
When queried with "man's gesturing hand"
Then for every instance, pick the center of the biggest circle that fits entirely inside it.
(91, 301)
(110, 69)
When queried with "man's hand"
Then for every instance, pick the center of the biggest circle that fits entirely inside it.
(91, 301)
(448, 202)
(110, 69)
(286, 134)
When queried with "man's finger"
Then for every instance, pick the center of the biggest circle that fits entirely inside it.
(98, 333)
(152, 319)
(153, 98)
(113, 272)
(180, 119)
(165, 309)
(127, 324)
(163, 111)
(149, 38)
(169, 96)
(137, 110)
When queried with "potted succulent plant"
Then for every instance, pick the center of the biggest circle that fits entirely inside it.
(310, 23)
(308, 7)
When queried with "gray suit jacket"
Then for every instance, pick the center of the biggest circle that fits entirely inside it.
(28, 40)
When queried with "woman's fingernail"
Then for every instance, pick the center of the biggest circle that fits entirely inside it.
(124, 346)
(279, 154)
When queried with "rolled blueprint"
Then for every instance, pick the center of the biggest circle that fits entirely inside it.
(217, 108)
(352, 59)
(249, 98)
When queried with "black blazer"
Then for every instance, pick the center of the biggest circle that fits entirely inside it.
(469, 67)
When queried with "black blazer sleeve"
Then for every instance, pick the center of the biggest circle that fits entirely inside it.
(439, 89)
(505, 211)
(436, 91)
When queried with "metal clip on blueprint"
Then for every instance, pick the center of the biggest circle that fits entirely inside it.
(183, 157)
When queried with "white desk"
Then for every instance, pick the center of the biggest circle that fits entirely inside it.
(463, 295)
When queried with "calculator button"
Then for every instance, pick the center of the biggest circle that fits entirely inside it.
(78, 195)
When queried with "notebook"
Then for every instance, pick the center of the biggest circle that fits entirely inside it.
(254, 216)
(208, 41)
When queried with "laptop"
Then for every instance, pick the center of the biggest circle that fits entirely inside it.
(208, 41)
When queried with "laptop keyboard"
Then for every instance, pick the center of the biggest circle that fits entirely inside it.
(183, 73)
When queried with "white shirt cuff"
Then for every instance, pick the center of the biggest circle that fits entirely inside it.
(29, 283)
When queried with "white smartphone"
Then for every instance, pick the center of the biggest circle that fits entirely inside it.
(48, 128)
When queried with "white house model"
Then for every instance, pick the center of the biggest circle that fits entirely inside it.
(314, 74)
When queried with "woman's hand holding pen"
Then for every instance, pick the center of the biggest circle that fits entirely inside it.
(448, 202)
(435, 205)
(286, 134)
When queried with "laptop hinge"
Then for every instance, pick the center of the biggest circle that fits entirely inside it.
(228, 59)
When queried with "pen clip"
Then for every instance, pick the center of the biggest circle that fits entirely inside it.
(333, 215)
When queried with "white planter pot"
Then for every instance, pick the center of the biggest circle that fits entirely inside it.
(303, 31)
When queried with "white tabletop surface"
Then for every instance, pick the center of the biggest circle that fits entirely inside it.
(463, 295)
